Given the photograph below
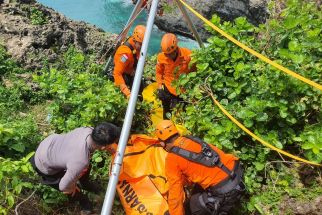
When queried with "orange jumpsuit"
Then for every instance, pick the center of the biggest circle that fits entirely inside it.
(168, 70)
(181, 172)
(125, 61)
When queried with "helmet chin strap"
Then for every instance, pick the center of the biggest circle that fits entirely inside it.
(169, 142)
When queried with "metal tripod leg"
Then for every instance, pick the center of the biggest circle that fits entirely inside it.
(133, 15)
(190, 23)
(124, 32)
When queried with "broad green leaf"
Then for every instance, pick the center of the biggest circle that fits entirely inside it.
(232, 95)
(294, 46)
(284, 53)
(297, 58)
(283, 113)
(283, 183)
(316, 150)
(261, 117)
(215, 19)
(307, 146)
(291, 22)
(278, 144)
(25, 168)
(10, 201)
(297, 139)
(18, 147)
(259, 166)
(240, 67)
(248, 123)
(18, 189)
(98, 159)
(202, 67)
(240, 21)
(313, 33)
(224, 102)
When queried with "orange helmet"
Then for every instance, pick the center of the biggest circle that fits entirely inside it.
(166, 129)
(169, 43)
(138, 33)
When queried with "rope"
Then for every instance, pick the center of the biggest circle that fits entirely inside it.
(210, 93)
(251, 51)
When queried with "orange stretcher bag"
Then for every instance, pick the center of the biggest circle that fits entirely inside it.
(142, 186)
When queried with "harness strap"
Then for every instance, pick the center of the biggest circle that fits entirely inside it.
(130, 46)
(133, 50)
(203, 204)
(231, 174)
(228, 184)
(207, 156)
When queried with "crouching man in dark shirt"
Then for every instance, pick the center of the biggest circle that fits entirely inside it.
(62, 160)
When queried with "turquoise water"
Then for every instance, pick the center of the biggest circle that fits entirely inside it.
(110, 15)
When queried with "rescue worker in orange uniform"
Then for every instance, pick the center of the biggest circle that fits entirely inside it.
(171, 63)
(192, 161)
(126, 59)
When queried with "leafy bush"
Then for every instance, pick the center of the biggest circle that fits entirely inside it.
(149, 69)
(7, 65)
(18, 130)
(311, 142)
(277, 107)
(14, 177)
(82, 96)
(10, 100)
(18, 137)
(37, 17)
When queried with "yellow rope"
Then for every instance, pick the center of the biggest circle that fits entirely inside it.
(208, 90)
(253, 52)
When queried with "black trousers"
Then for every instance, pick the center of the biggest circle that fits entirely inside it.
(215, 202)
(54, 180)
(169, 101)
(129, 82)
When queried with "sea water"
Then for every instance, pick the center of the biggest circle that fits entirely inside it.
(111, 16)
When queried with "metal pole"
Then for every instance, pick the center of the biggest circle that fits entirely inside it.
(124, 31)
(135, 11)
(110, 192)
(190, 23)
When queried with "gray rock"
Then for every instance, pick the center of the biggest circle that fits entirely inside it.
(254, 10)
(31, 44)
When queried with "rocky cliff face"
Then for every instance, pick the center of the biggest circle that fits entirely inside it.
(31, 40)
(254, 10)
(31, 43)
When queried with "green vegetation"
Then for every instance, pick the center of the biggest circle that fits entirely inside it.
(282, 110)
(12, 175)
(60, 97)
(37, 17)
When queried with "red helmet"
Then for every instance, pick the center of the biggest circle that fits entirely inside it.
(138, 33)
(166, 129)
(169, 43)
